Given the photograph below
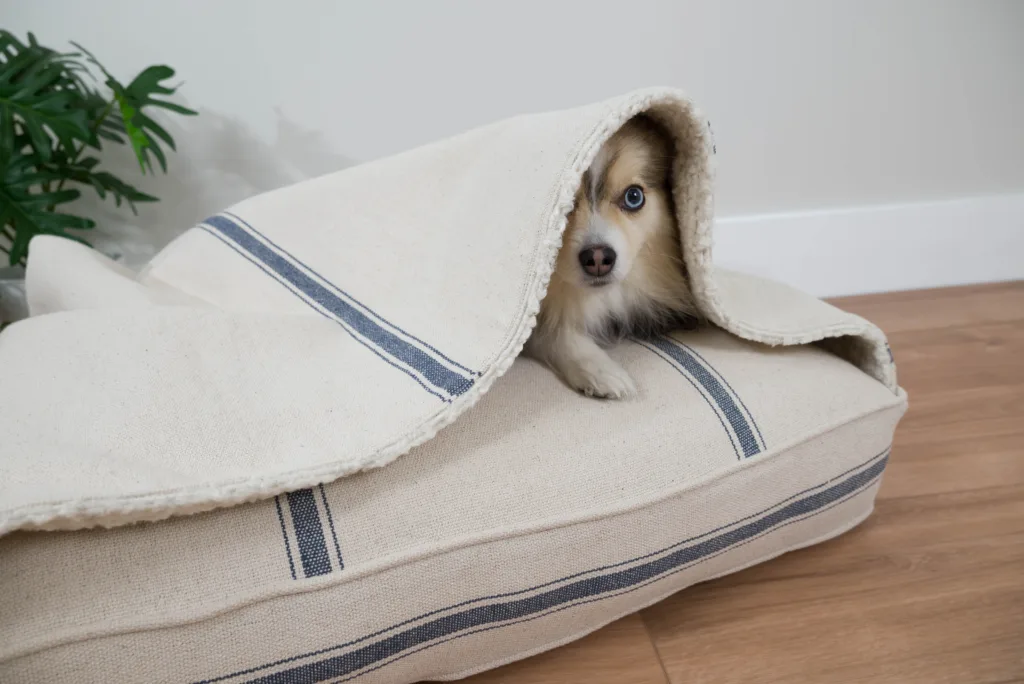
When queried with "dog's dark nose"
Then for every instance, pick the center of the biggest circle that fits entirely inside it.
(598, 260)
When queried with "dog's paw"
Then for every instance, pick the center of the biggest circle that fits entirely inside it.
(601, 378)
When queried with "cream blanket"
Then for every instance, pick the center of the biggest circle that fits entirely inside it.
(331, 326)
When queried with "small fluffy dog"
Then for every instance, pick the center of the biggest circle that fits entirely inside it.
(620, 270)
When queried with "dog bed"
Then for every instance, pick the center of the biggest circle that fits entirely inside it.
(231, 467)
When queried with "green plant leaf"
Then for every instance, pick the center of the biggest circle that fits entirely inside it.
(52, 113)
(146, 123)
(38, 98)
(99, 111)
(147, 82)
(103, 182)
(30, 210)
(172, 107)
(122, 192)
(143, 132)
(92, 58)
(111, 128)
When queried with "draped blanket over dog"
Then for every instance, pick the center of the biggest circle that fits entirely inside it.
(331, 326)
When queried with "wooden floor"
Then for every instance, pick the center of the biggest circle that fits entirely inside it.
(929, 589)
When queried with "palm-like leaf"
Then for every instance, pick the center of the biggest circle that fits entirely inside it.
(84, 171)
(36, 98)
(143, 132)
(30, 209)
(51, 114)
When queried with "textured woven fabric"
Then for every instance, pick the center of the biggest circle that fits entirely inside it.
(203, 441)
(534, 519)
(329, 327)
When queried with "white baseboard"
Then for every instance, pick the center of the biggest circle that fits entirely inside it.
(880, 248)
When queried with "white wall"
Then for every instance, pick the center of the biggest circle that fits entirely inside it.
(815, 104)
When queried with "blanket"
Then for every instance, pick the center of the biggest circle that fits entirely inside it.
(333, 325)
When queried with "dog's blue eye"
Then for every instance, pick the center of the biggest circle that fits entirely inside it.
(633, 199)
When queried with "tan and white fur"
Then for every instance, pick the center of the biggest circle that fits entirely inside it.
(619, 271)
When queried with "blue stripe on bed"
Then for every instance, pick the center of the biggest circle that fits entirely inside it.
(284, 533)
(703, 395)
(746, 411)
(330, 520)
(714, 388)
(309, 533)
(588, 589)
(437, 374)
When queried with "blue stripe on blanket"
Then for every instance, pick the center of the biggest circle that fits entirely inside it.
(319, 296)
(688, 364)
(574, 590)
(245, 255)
(338, 290)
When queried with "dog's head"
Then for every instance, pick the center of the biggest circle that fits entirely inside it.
(624, 216)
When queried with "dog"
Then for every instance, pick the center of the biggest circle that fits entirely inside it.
(619, 271)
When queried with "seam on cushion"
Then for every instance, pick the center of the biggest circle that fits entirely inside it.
(865, 466)
(596, 599)
(417, 554)
(852, 496)
(662, 596)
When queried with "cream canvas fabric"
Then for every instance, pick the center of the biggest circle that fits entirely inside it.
(202, 442)
(329, 327)
(537, 517)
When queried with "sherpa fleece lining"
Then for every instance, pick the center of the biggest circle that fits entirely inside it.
(333, 325)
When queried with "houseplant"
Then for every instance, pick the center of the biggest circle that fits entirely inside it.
(57, 111)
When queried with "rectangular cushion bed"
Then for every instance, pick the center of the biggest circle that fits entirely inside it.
(255, 485)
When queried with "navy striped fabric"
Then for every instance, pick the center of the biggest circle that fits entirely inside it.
(461, 620)
(310, 532)
(441, 376)
(288, 254)
(746, 412)
(742, 429)
(284, 535)
(330, 521)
